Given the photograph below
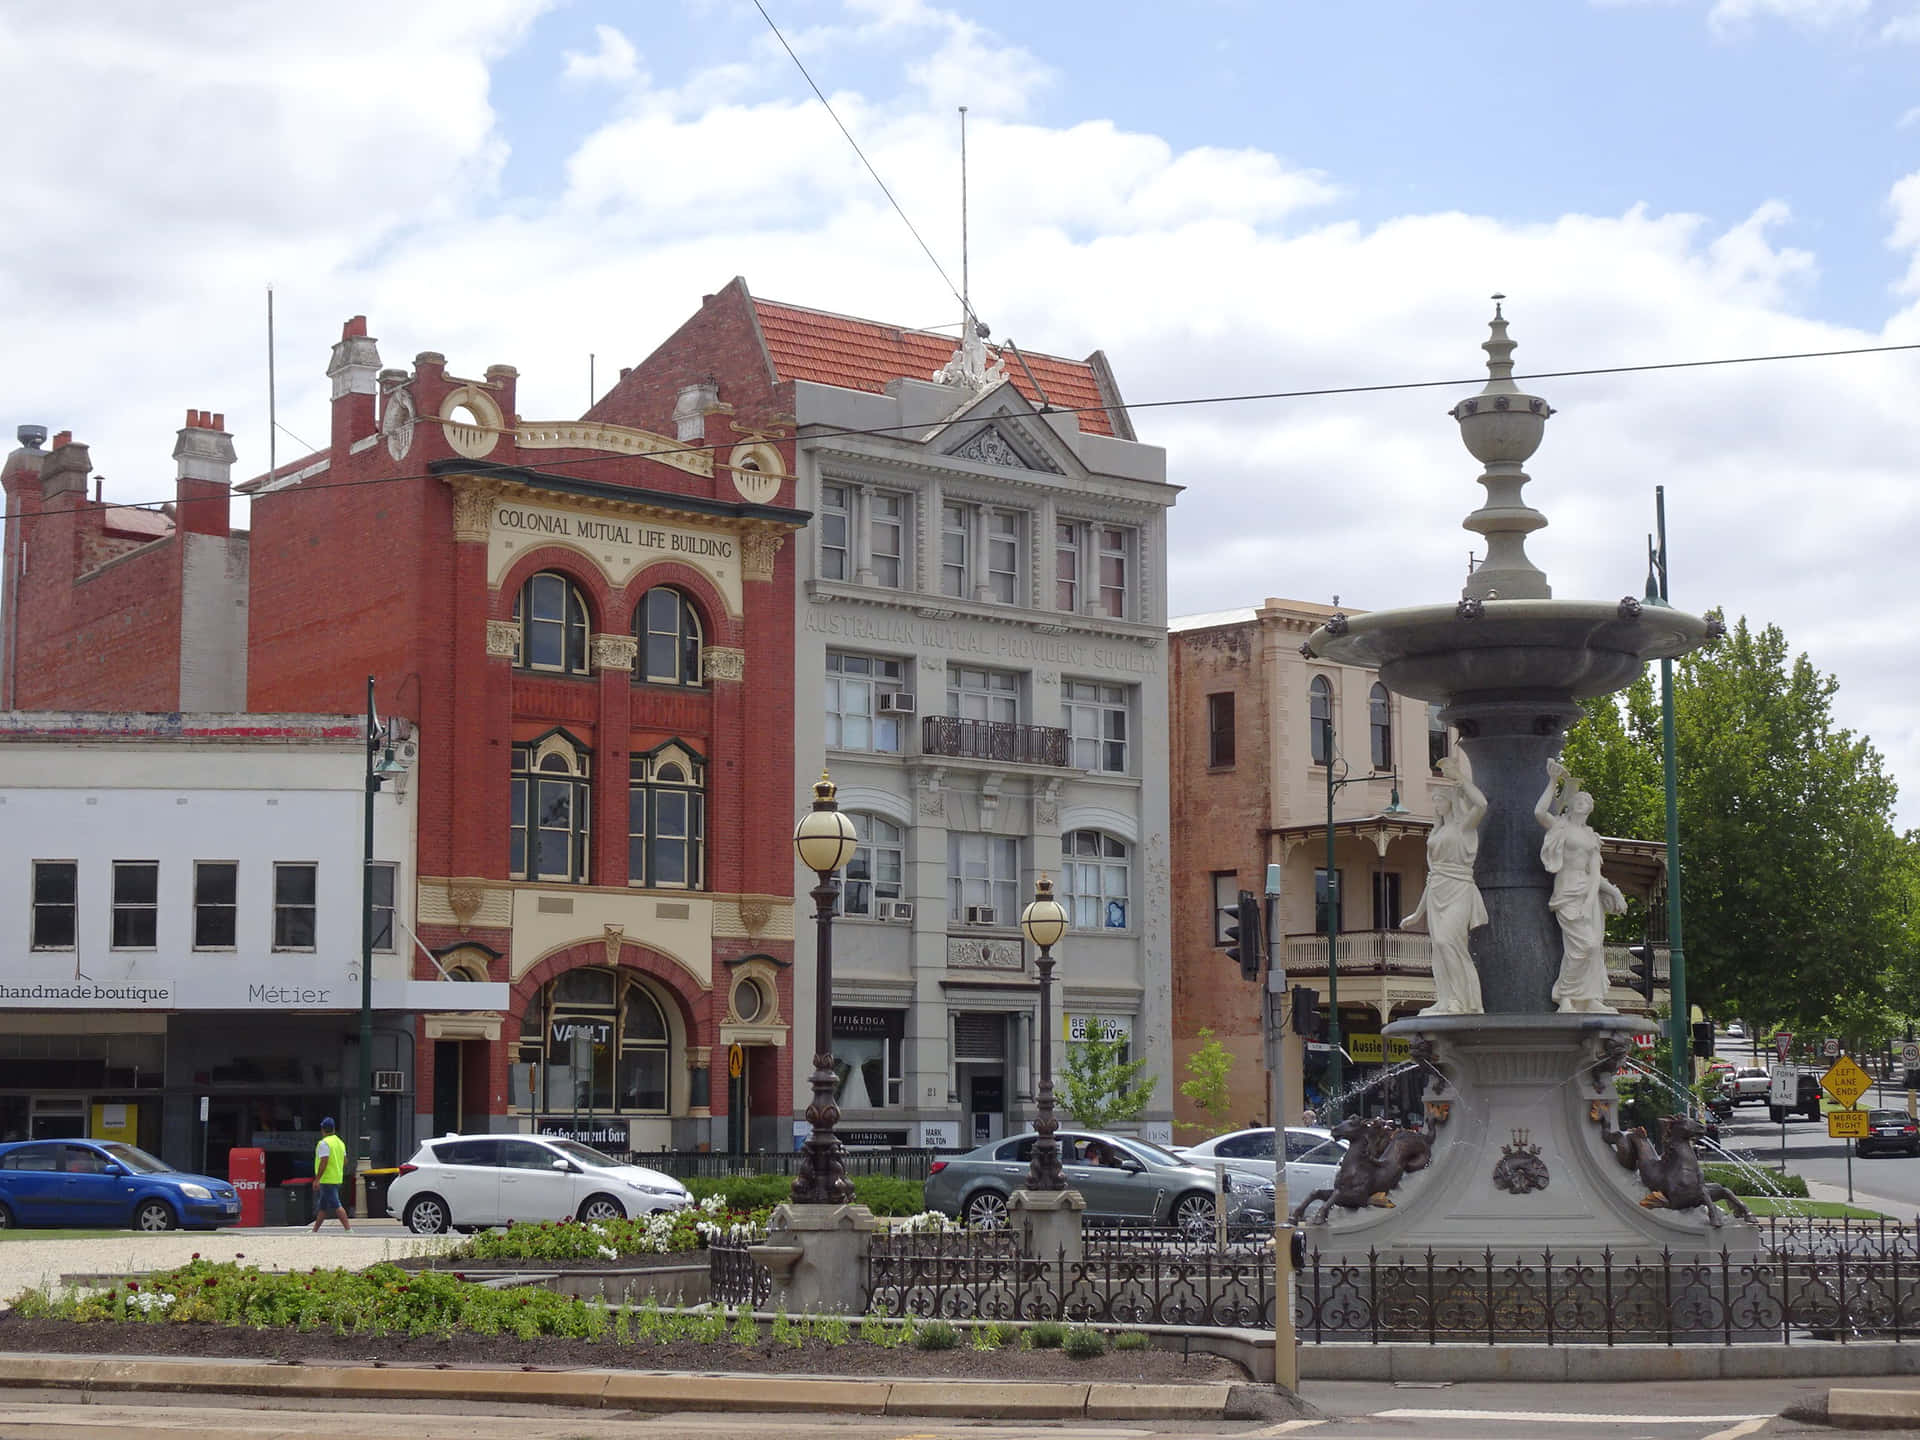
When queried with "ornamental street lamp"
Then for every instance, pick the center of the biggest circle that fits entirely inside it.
(824, 840)
(1043, 923)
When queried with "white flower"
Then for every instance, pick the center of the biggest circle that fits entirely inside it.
(607, 1252)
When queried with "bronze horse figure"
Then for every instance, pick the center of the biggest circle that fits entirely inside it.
(1672, 1174)
(1378, 1154)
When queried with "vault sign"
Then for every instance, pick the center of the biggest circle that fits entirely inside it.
(1846, 1082)
(590, 1032)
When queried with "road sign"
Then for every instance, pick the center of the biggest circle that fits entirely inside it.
(1848, 1125)
(1910, 1055)
(1846, 1081)
(1830, 1047)
(1783, 1043)
(1784, 1092)
(736, 1061)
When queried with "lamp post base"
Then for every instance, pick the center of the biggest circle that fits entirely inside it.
(1048, 1223)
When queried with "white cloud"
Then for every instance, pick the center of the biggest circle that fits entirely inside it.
(1902, 29)
(1199, 271)
(1728, 15)
(615, 61)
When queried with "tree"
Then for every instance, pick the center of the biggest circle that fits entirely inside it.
(1210, 1066)
(1792, 877)
(1100, 1088)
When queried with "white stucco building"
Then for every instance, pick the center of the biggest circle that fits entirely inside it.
(184, 903)
(981, 664)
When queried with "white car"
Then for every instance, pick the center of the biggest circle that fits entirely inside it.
(468, 1182)
(1312, 1156)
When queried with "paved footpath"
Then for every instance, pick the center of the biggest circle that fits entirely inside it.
(1717, 1410)
(30, 1260)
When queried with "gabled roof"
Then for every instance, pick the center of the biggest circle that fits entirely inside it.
(829, 349)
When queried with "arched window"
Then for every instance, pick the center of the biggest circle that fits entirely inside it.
(551, 810)
(879, 866)
(1095, 871)
(668, 628)
(594, 1040)
(1380, 726)
(552, 616)
(667, 819)
(1320, 717)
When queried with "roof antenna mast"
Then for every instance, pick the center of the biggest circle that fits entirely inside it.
(966, 291)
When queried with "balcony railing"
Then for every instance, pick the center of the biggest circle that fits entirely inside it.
(992, 740)
(1360, 952)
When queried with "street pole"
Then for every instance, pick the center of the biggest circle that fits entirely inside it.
(366, 961)
(1336, 1075)
(1286, 1358)
(1679, 1031)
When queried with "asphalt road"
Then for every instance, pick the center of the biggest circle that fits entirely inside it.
(1721, 1410)
(1894, 1180)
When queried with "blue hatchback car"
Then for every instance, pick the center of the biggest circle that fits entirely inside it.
(104, 1185)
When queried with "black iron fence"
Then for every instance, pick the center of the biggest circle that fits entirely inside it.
(706, 1164)
(1818, 1281)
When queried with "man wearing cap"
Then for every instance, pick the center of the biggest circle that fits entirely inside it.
(329, 1172)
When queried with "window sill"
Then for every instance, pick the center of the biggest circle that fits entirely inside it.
(853, 754)
(676, 686)
(53, 949)
(216, 949)
(134, 949)
(584, 676)
(294, 950)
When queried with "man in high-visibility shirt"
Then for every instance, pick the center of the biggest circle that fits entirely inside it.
(329, 1173)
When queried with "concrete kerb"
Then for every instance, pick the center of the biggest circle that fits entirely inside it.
(629, 1390)
(1873, 1409)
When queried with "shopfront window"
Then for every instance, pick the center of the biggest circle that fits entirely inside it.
(596, 1041)
(868, 1057)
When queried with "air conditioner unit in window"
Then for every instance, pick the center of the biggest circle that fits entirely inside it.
(893, 910)
(389, 1082)
(980, 915)
(897, 703)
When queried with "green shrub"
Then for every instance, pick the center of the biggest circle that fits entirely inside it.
(1046, 1335)
(743, 1192)
(1132, 1340)
(885, 1195)
(1084, 1344)
(1740, 1182)
(935, 1335)
(984, 1338)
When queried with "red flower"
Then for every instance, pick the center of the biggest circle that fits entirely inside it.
(132, 1285)
(210, 1282)
(196, 1254)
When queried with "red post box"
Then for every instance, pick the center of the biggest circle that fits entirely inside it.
(247, 1169)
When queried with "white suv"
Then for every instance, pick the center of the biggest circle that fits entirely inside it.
(468, 1182)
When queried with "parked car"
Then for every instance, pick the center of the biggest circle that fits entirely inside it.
(1890, 1133)
(1806, 1099)
(1125, 1180)
(1736, 1031)
(1750, 1085)
(105, 1184)
(468, 1182)
(1312, 1156)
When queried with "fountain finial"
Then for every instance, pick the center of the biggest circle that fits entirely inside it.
(1501, 427)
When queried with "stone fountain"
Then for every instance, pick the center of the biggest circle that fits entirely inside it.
(1521, 1106)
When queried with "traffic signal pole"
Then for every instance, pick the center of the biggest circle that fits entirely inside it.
(1286, 1355)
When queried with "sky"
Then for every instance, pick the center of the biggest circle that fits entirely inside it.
(1226, 196)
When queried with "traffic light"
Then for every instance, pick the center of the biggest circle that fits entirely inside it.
(1242, 929)
(1306, 1011)
(1643, 969)
(1703, 1039)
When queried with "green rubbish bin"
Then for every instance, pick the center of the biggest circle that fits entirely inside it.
(299, 1202)
(377, 1183)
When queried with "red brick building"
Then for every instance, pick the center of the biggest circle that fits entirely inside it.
(589, 626)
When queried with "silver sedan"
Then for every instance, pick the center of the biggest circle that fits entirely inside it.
(1124, 1180)
(1312, 1156)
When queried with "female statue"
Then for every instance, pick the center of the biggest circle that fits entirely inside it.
(1582, 896)
(1451, 902)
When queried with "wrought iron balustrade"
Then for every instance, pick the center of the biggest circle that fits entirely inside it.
(993, 740)
(1361, 952)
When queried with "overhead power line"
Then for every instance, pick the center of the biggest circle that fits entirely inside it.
(1315, 392)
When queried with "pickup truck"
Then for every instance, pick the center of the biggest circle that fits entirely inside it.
(1749, 1083)
(1806, 1099)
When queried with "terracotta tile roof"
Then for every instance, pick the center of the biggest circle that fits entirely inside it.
(830, 349)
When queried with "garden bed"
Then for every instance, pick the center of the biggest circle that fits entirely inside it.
(853, 1357)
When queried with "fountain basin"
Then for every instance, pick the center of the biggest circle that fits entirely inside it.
(1549, 650)
(1526, 1099)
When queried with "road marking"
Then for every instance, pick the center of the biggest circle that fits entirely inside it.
(1289, 1427)
(1745, 1427)
(1565, 1417)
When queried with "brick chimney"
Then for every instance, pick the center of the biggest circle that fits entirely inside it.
(203, 457)
(65, 470)
(355, 373)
